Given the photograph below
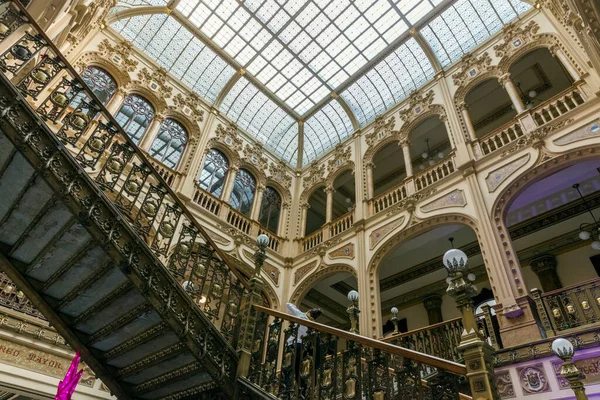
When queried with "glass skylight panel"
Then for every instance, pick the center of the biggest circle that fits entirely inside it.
(466, 24)
(258, 115)
(175, 48)
(325, 129)
(390, 81)
(144, 2)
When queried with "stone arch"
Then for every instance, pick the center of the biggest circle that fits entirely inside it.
(323, 271)
(546, 165)
(375, 148)
(463, 90)
(159, 104)
(94, 59)
(133, 11)
(309, 191)
(541, 41)
(332, 177)
(261, 177)
(286, 195)
(434, 109)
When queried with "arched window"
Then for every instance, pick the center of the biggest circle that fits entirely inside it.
(135, 116)
(243, 191)
(100, 82)
(212, 177)
(270, 209)
(169, 143)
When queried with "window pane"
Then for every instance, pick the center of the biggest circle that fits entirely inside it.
(135, 116)
(100, 82)
(242, 195)
(270, 209)
(169, 143)
(212, 177)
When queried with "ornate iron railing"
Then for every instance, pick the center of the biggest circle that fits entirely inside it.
(11, 297)
(442, 339)
(320, 362)
(570, 307)
(562, 103)
(48, 84)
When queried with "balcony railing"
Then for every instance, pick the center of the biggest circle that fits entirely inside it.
(501, 137)
(206, 200)
(239, 221)
(341, 224)
(568, 308)
(441, 340)
(312, 240)
(558, 105)
(329, 363)
(274, 240)
(42, 81)
(389, 198)
(171, 176)
(435, 173)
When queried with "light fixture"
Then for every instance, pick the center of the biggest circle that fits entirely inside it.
(262, 240)
(589, 231)
(562, 347)
(455, 261)
(528, 100)
(428, 158)
(353, 296)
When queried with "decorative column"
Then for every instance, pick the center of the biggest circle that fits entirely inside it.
(464, 110)
(511, 89)
(150, 134)
(304, 212)
(433, 306)
(405, 143)
(258, 197)
(353, 311)
(545, 268)
(229, 181)
(329, 211)
(370, 184)
(115, 103)
(562, 58)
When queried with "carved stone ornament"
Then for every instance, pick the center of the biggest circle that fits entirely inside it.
(321, 249)
(515, 36)
(341, 158)
(381, 130)
(495, 178)
(315, 174)
(417, 105)
(346, 251)
(533, 379)
(228, 137)
(156, 81)
(471, 67)
(190, 105)
(456, 198)
(410, 203)
(302, 271)
(380, 233)
(120, 54)
(590, 130)
(505, 385)
(217, 238)
(278, 172)
(253, 154)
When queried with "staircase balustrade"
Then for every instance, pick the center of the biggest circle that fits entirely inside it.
(11, 297)
(442, 339)
(568, 308)
(47, 85)
(328, 363)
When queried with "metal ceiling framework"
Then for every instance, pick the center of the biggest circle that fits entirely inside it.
(436, 35)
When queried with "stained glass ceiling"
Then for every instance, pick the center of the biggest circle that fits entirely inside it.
(294, 54)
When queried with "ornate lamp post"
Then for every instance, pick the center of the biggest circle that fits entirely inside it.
(564, 349)
(476, 352)
(394, 311)
(353, 311)
(248, 315)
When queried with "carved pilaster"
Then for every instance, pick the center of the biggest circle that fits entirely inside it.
(545, 268)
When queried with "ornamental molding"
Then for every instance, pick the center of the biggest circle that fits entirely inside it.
(253, 154)
(86, 18)
(228, 137)
(278, 173)
(514, 36)
(97, 59)
(158, 103)
(346, 251)
(456, 198)
(417, 104)
(323, 271)
(120, 54)
(471, 67)
(321, 249)
(590, 130)
(190, 105)
(381, 233)
(536, 137)
(302, 271)
(340, 159)
(415, 119)
(409, 203)
(496, 177)
(381, 130)
(156, 80)
(316, 175)
(505, 385)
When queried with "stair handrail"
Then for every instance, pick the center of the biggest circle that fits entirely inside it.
(449, 366)
(137, 150)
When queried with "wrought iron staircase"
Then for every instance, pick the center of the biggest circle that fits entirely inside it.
(103, 248)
